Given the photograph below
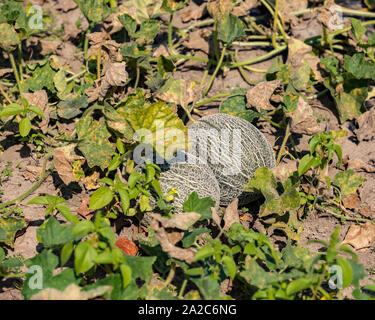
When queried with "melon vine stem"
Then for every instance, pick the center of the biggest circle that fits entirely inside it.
(259, 59)
(15, 71)
(286, 137)
(42, 178)
(275, 20)
(215, 72)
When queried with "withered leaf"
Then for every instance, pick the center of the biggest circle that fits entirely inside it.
(63, 158)
(360, 236)
(366, 126)
(115, 75)
(303, 120)
(359, 165)
(182, 221)
(175, 252)
(71, 292)
(40, 99)
(231, 215)
(260, 95)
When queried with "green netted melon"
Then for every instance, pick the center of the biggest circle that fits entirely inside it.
(232, 169)
(187, 178)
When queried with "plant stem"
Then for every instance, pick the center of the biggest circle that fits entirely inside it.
(170, 276)
(137, 76)
(251, 44)
(215, 72)
(275, 20)
(286, 137)
(76, 75)
(216, 44)
(20, 61)
(98, 63)
(346, 11)
(255, 69)
(43, 177)
(242, 72)
(5, 95)
(208, 100)
(281, 28)
(180, 295)
(170, 31)
(15, 71)
(85, 48)
(259, 59)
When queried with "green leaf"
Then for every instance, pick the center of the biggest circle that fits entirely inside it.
(348, 181)
(230, 28)
(265, 182)
(147, 32)
(204, 252)
(141, 266)
(358, 29)
(42, 77)
(359, 67)
(100, 198)
(129, 23)
(305, 164)
(95, 11)
(299, 285)
(52, 234)
(83, 228)
(37, 111)
(126, 274)
(189, 237)
(24, 126)
(199, 205)
(84, 257)
(11, 110)
(9, 38)
(39, 200)
(70, 108)
(236, 106)
(66, 253)
(347, 271)
(66, 213)
(229, 266)
(47, 261)
(208, 287)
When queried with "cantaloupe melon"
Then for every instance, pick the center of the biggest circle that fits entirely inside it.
(234, 149)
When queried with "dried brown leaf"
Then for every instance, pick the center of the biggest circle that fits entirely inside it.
(71, 292)
(360, 165)
(351, 201)
(242, 9)
(366, 126)
(193, 12)
(196, 42)
(83, 208)
(231, 215)
(40, 99)
(360, 236)
(182, 221)
(115, 75)
(64, 158)
(215, 217)
(90, 181)
(259, 96)
(303, 120)
(175, 252)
